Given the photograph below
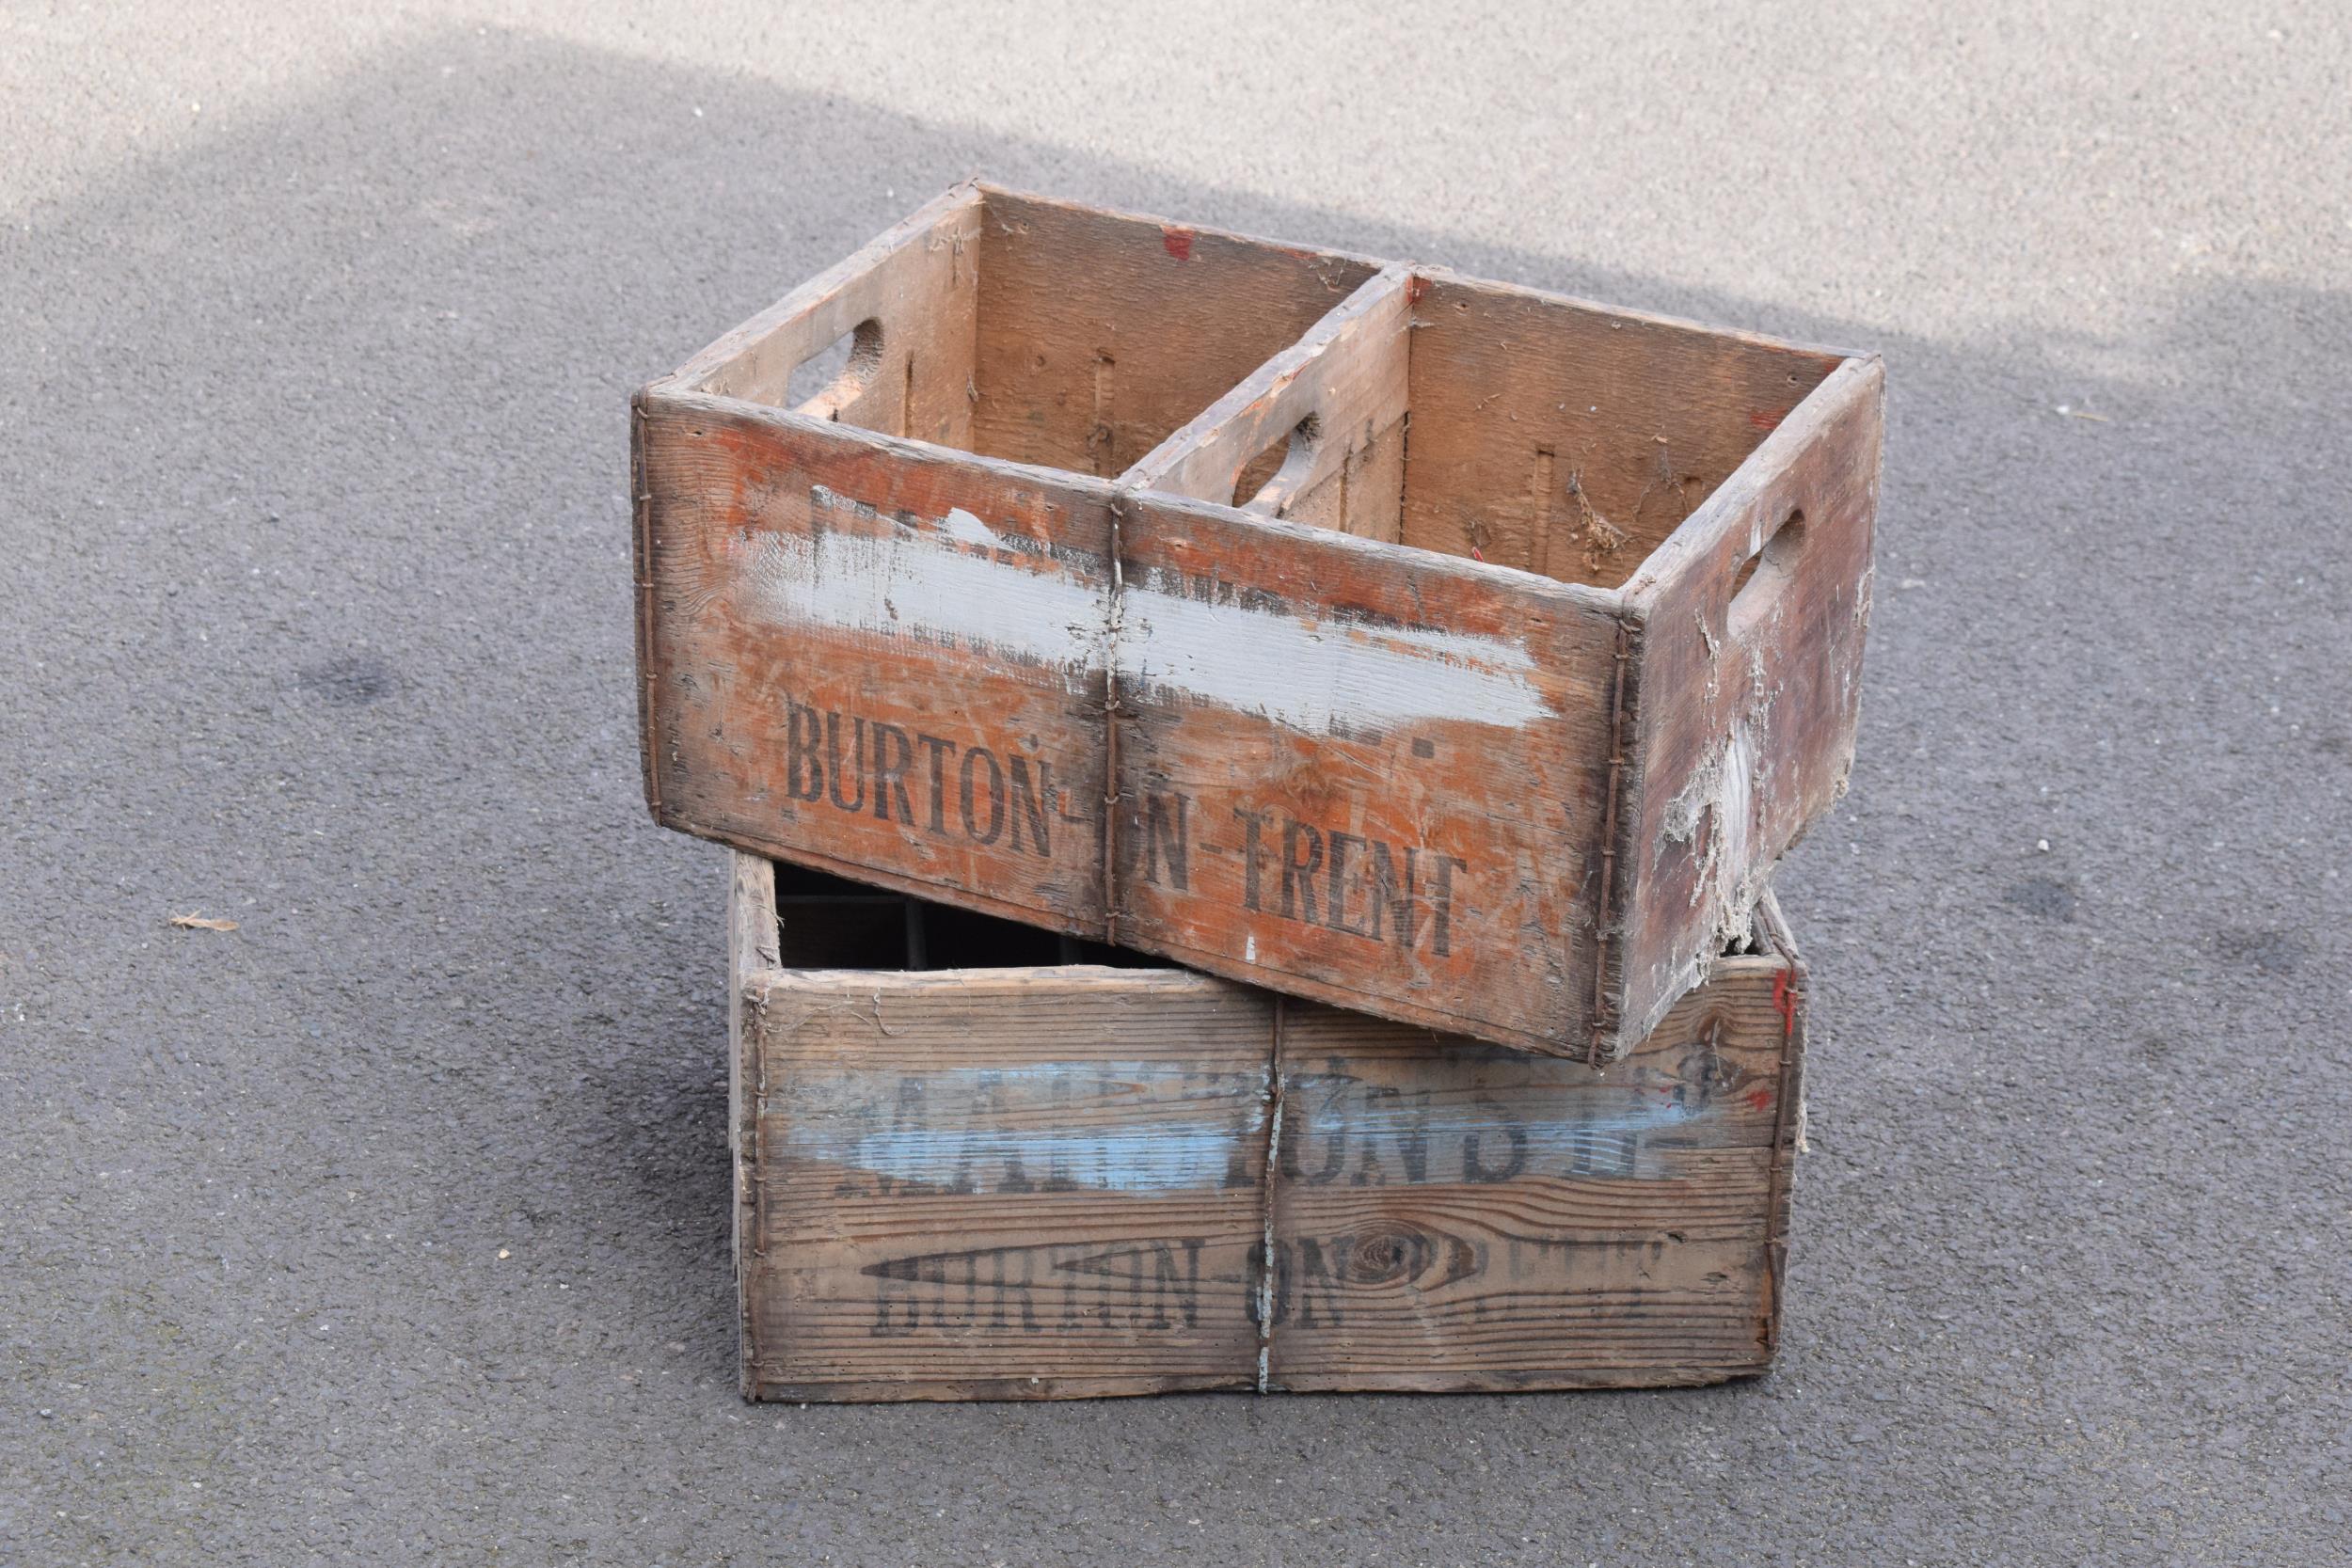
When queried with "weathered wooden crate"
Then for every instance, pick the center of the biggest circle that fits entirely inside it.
(1532, 642)
(1038, 1176)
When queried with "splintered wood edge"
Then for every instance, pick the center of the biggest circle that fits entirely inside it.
(1700, 547)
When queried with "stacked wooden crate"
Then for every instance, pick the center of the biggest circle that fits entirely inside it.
(1440, 665)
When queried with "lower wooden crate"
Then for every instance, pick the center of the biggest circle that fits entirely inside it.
(975, 1159)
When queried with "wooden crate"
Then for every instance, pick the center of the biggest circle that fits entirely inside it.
(1532, 641)
(1042, 1176)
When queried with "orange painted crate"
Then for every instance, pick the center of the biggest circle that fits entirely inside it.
(1450, 651)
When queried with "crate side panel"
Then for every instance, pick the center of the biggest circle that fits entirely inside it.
(916, 287)
(968, 1182)
(1449, 1215)
(867, 654)
(1751, 669)
(1570, 439)
(1100, 334)
(751, 919)
(1367, 775)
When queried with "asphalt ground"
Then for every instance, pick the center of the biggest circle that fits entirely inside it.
(392, 1226)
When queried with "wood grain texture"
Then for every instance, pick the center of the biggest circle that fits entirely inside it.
(1100, 333)
(1046, 1180)
(1754, 618)
(1330, 399)
(838, 673)
(917, 286)
(1482, 779)
(1450, 1217)
(1397, 798)
(1076, 1181)
(1570, 438)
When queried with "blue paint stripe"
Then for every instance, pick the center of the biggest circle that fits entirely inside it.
(1334, 1133)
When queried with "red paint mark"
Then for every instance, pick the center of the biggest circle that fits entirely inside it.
(1759, 1098)
(1416, 290)
(1477, 554)
(1766, 419)
(1784, 998)
(1177, 241)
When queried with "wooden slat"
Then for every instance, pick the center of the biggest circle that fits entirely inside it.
(752, 959)
(1454, 1216)
(876, 659)
(1320, 723)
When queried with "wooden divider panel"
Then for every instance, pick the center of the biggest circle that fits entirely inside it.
(1316, 434)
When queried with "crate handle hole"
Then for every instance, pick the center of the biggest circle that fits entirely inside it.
(1273, 478)
(835, 375)
(1760, 579)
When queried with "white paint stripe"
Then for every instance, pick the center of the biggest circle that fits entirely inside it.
(928, 587)
(950, 585)
(1320, 676)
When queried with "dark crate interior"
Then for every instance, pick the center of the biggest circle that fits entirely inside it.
(829, 922)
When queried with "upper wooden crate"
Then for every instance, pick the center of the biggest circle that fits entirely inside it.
(1446, 650)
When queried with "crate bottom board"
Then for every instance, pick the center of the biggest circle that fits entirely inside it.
(1006, 1389)
(1070, 1179)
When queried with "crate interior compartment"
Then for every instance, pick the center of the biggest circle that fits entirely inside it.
(829, 922)
(1479, 420)
(1036, 331)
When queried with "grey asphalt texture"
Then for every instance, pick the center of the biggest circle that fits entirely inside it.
(392, 1226)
